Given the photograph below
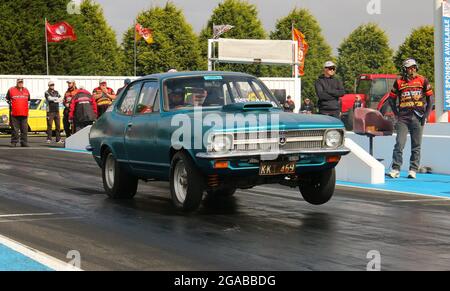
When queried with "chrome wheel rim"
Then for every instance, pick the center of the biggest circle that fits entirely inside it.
(180, 181)
(110, 170)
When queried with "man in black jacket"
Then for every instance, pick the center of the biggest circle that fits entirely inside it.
(329, 90)
(53, 100)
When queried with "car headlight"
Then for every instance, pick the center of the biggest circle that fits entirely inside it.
(5, 118)
(221, 143)
(333, 138)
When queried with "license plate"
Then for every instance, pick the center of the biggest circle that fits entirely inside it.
(276, 168)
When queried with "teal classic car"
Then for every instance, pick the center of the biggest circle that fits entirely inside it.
(213, 132)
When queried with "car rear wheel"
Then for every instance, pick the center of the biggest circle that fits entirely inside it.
(118, 183)
(186, 183)
(317, 188)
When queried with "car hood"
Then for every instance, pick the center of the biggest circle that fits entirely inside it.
(262, 120)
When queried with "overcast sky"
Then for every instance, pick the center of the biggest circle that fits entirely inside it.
(338, 18)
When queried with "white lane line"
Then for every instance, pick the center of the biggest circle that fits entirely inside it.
(24, 149)
(387, 191)
(26, 214)
(37, 256)
(422, 200)
(40, 219)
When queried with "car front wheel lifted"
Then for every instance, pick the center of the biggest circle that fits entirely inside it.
(317, 188)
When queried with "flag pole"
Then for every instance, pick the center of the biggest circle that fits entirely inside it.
(213, 52)
(293, 39)
(46, 46)
(135, 50)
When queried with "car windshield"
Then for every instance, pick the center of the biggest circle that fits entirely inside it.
(34, 103)
(210, 91)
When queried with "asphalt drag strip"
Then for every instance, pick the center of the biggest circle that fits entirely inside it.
(53, 202)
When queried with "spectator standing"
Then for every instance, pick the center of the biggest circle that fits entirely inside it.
(83, 110)
(329, 90)
(125, 84)
(70, 93)
(18, 98)
(53, 99)
(358, 102)
(289, 105)
(104, 97)
(307, 107)
(414, 95)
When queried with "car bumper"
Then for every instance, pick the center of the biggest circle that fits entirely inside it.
(248, 165)
(342, 151)
(4, 126)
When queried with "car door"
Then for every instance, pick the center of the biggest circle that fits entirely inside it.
(119, 121)
(37, 118)
(142, 135)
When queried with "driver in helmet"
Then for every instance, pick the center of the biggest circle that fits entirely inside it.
(199, 96)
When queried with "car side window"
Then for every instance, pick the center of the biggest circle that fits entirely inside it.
(147, 98)
(128, 101)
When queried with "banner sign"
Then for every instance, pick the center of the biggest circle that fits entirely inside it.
(446, 52)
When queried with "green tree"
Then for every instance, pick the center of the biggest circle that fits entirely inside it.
(175, 44)
(244, 17)
(419, 45)
(318, 53)
(22, 40)
(365, 51)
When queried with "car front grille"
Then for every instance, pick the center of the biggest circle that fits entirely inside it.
(283, 140)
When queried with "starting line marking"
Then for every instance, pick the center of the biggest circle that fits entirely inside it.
(37, 256)
(26, 214)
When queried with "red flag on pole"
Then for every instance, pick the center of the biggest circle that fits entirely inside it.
(60, 31)
(302, 49)
(145, 33)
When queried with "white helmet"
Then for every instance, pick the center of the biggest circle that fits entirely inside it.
(409, 63)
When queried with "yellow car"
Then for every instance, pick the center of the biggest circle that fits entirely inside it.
(37, 117)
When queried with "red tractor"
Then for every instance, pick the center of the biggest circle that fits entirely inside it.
(371, 89)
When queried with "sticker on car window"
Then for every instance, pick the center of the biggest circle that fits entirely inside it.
(212, 78)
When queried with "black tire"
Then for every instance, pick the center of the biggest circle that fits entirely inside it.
(318, 188)
(224, 191)
(187, 191)
(117, 182)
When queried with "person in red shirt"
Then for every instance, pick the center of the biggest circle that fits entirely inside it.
(83, 110)
(18, 98)
(104, 97)
(411, 101)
